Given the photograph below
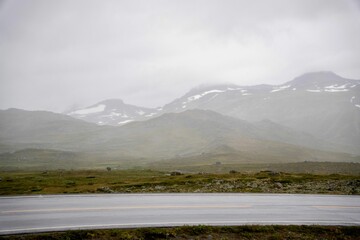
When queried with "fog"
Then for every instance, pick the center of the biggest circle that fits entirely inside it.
(57, 54)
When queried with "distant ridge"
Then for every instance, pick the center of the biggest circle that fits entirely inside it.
(308, 118)
(321, 104)
(189, 133)
(113, 112)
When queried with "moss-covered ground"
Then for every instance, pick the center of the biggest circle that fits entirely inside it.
(148, 181)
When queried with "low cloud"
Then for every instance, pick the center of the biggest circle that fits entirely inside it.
(58, 53)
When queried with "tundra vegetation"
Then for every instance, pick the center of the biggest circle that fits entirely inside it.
(151, 181)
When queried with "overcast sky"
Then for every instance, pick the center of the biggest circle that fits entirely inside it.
(54, 54)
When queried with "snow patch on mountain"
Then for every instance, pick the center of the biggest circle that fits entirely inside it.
(150, 115)
(113, 112)
(112, 115)
(195, 97)
(335, 86)
(280, 88)
(96, 109)
(328, 90)
(140, 112)
(244, 92)
(234, 89)
(336, 90)
(126, 121)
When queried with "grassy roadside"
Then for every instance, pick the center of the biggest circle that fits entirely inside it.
(204, 232)
(148, 181)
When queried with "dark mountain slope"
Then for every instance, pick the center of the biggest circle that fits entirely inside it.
(42, 129)
(190, 133)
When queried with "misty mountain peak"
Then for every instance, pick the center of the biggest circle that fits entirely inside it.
(319, 80)
(324, 74)
(112, 103)
(305, 104)
(113, 112)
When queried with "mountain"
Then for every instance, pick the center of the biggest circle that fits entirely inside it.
(322, 104)
(35, 159)
(171, 135)
(21, 129)
(225, 98)
(113, 112)
(202, 131)
(311, 118)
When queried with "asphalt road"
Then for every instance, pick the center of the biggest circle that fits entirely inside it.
(64, 212)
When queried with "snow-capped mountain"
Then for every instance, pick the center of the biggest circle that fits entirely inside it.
(113, 112)
(227, 98)
(321, 103)
(323, 82)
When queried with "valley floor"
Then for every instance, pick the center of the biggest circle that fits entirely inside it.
(149, 181)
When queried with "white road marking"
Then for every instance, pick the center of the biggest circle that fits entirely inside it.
(124, 208)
